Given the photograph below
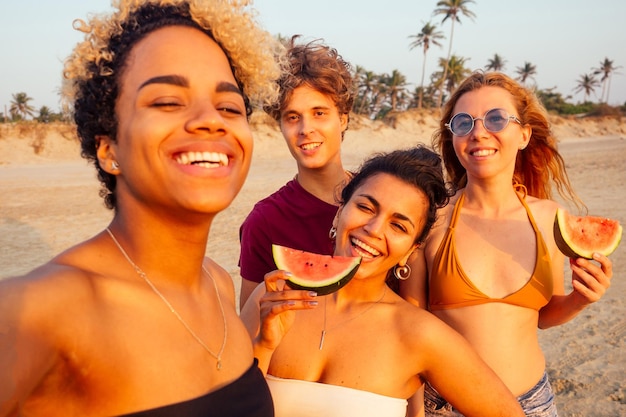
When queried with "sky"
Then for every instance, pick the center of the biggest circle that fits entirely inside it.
(564, 39)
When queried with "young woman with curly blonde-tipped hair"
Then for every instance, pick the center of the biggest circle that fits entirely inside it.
(136, 321)
(491, 268)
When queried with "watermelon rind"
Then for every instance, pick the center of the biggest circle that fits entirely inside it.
(322, 283)
(599, 234)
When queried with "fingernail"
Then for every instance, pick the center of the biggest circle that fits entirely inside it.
(313, 303)
(312, 294)
(289, 274)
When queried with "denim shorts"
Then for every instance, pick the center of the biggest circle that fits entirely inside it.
(536, 402)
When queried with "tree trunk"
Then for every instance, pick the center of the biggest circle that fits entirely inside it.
(445, 68)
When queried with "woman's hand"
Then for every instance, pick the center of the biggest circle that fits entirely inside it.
(590, 280)
(278, 308)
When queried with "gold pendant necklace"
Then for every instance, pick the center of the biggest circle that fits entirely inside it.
(218, 356)
(324, 331)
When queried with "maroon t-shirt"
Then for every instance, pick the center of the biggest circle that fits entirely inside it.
(290, 217)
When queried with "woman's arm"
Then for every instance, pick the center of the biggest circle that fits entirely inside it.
(26, 354)
(590, 281)
(415, 407)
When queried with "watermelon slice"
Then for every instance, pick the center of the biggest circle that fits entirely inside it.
(581, 236)
(323, 274)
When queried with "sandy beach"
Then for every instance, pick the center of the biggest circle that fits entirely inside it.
(49, 201)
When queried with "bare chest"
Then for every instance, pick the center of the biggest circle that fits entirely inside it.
(498, 256)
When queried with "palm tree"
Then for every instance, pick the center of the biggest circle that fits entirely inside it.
(526, 71)
(45, 115)
(495, 64)
(20, 108)
(379, 98)
(451, 9)
(457, 72)
(366, 84)
(395, 88)
(429, 34)
(587, 83)
(606, 69)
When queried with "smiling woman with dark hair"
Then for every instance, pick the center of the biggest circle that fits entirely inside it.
(363, 350)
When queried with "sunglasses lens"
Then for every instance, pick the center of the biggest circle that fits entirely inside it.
(495, 120)
(461, 124)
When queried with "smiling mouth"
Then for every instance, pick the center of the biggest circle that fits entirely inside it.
(310, 146)
(483, 152)
(203, 159)
(365, 250)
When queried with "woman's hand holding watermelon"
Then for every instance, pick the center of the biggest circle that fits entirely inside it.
(277, 307)
(582, 239)
(590, 280)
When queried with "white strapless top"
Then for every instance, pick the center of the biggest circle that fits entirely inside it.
(297, 398)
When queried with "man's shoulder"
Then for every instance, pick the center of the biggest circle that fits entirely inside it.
(276, 201)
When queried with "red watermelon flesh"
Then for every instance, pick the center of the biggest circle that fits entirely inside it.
(581, 236)
(323, 274)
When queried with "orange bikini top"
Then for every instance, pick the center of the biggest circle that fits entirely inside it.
(449, 287)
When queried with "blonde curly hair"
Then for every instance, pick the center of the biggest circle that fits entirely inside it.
(253, 52)
(93, 71)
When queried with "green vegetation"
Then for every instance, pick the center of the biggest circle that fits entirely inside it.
(429, 34)
(21, 110)
(451, 9)
(381, 96)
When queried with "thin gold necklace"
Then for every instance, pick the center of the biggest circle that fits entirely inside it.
(143, 275)
(324, 330)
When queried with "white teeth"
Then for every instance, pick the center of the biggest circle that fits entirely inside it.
(309, 146)
(484, 152)
(203, 159)
(365, 247)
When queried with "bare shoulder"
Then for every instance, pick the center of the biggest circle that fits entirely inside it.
(44, 296)
(65, 289)
(444, 215)
(41, 314)
(542, 206)
(443, 218)
(543, 211)
(419, 327)
(445, 212)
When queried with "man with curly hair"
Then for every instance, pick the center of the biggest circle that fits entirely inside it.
(136, 321)
(316, 96)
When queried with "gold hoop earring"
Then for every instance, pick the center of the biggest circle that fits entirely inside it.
(115, 166)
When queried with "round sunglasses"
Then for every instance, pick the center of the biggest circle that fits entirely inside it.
(495, 120)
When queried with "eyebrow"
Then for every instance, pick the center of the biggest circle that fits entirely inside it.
(397, 215)
(291, 111)
(181, 81)
(177, 80)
